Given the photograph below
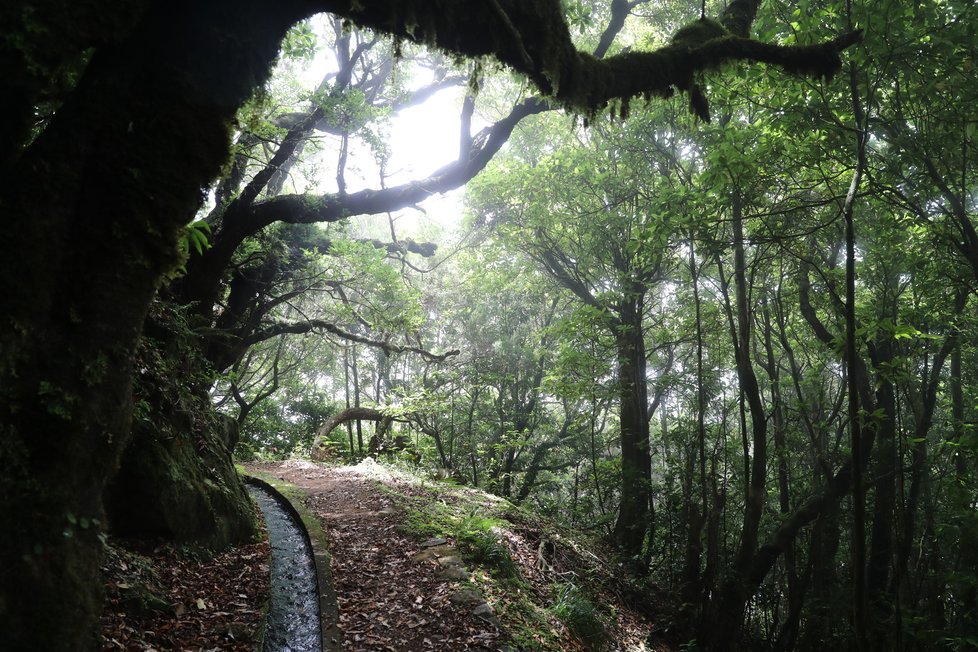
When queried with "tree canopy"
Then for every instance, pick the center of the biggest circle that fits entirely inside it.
(720, 314)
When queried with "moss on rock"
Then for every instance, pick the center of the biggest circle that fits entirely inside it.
(176, 480)
(181, 491)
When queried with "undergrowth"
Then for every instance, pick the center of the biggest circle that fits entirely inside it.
(531, 615)
(582, 617)
(478, 541)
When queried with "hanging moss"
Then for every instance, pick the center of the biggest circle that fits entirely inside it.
(532, 37)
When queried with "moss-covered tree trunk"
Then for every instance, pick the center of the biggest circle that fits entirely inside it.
(176, 479)
(90, 215)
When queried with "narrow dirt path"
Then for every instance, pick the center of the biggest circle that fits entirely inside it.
(390, 596)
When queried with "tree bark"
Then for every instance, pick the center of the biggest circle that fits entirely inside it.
(788, 633)
(636, 459)
(751, 392)
(737, 588)
(694, 587)
(879, 557)
(91, 214)
(966, 592)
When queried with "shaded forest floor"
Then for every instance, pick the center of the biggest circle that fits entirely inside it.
(422, 565)
(161, 598)
(417, 565)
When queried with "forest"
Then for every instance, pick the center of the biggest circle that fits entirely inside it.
(697, 280)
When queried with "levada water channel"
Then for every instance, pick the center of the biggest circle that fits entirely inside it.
(293, 623)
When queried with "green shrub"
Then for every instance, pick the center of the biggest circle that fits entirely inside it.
(580, 616)
(421, 525)
(479, 543)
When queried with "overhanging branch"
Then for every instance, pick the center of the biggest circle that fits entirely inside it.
(317, 451)
(318, 325)
(533, 39)
(307, 209)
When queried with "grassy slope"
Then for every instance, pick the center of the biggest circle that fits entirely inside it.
(548, 588)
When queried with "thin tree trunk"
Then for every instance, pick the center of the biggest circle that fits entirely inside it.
(789, 630)
(880, 553)
(967, 563)
(752, 394)
(693, 589)
(737, 590)
(594, 460)
(859, 456)
(356, 398)
(346, 396)
(823, 550)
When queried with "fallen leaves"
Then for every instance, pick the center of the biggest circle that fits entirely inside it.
(214, 604)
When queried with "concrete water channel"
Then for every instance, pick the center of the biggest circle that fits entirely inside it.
(293, 623)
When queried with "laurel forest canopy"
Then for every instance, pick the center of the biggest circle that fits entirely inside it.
(709, 292)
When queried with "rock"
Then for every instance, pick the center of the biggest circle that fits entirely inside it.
(239, 631)
(466, 597)
(424, 555)
(176, 481)
(434, 541)
(140, 601)
(484, 613)
(453, 573)
(448, 561)
(442, 550)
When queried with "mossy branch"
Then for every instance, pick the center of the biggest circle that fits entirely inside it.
(660, 72)
(532, 37)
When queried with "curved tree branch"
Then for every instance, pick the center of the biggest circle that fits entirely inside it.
(202, 283)
(319, 325)
(317, 451)
(583, 82)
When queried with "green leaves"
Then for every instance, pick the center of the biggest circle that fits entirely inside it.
(195, 237)
(300, 42)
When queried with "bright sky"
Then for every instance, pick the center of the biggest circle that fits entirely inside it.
(421, 139)
(424, 138)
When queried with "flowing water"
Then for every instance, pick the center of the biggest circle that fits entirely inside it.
(293, 623)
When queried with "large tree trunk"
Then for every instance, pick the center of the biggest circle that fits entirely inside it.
(91, 214)
(636, 459)
(176, 480)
